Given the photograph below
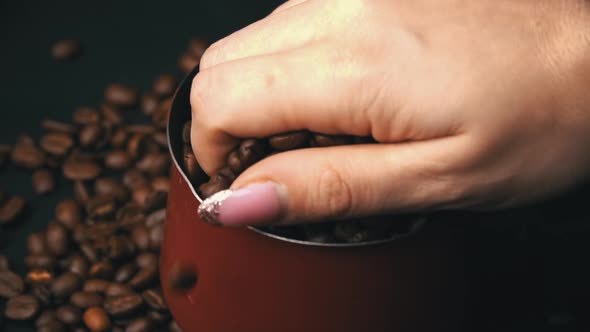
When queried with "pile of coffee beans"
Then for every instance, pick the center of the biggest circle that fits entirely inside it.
(251, 151)
(96, 265)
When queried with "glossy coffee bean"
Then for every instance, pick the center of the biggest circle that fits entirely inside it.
(125, 272)
(96, 285)
(143, 324)
(84, 116)
(118, 289)
(97, 320)
(21, 307)
(133, 179)
(65, 285)
(36, 244)
(92, 136)
(69, 314)
(121, 95)
(86, 300)
(43, 261)
(43, 181)
(57, 143)
(118, 160)
(80, 169)
(79, 265)
(101, 270)
(108, 186)
(11, 284)
(156, 163)
(251, 151)
(58, 126)
(11, 209)
(146, 277)
(161, 183)
(27, 155)
(39, 276)
(119, 138)
(66, 50)
(289, 141)
(111, 115)
(69, 213)
(123, 305)
(155, 299)
(57, 239)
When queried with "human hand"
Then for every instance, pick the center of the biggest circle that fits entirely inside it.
(478, 104)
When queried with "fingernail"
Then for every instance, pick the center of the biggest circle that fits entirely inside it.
(258, 203)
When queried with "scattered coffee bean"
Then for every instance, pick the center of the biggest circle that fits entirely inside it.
(118, 160)
(65, 285)
(96, 285)
(11, 284)
(92, 136)
(123, 305)
(26, 154)
(69, 314)
(21, 307)
(57, 143)
(36, 244)
(43, 181)
(182, 277)
(84, 116)
(81, 191)
(66, 50)
(97, 320)
(80, 169)
(39, 276)
(330, 140)
(149, 103)
(121, 95)
(79, 265)
(52, 326)
(118, 289)
(86, 300)
(155, 299)
(69, 213)
(146, 277)
(45, 317)
(101, 270)
(43, 261)
(59, 127)
(187, 62)
(161, 183)
(11, 209)
(4, 263)
(125, 272)
(57, 239)
(164, 86)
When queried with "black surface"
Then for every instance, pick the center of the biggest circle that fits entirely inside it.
(535, 259)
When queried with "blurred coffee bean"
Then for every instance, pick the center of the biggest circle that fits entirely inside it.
(156, 236)
(39, 276)
(42, 261)
(197, 47)
(121, 95)
(36, 244)
(156, 217)
(140, 194)
(45, 317)
(88, 251)
(322, 140)
(182, 277)
(149, 103)
(117, 160)
(92, 136)
(101, 207)
(21, 307)
(81, 191)
(156, 200)
(43, 181)
(120, 247)
(101, 270)
(161, 139)
(118, 289)
(173, 327)
(143, 324)
(79, 265)
(84, 300)
(289, 141)
(26, 154)
(186, 132)
(108, 186)
(112, 117)
(156, 163)
(69, 213)
(11, 209)
(66, 50)
(58, 126)
(187, 62)
(161, 183)
(119, 138)
(52, 326)
(57, 239)
(84, 116)
(96, 285)
(97, 320)
(42, 292)
(251, 151)
(125, 272)
(123, 305)
(141, 237)
(57, 143)
(65, 285)
(146, 277)
(69, 314)
(136, 145)
(11, 284)
(80, 169)
(193, 170)
(164, 85)
(155, 299)
(160, 116)
(159, 317)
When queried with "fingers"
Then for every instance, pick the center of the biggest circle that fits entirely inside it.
(271, 94)
(346, 181)
(282, 30)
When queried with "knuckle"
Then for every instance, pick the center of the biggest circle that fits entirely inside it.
(211, 55)
(333, 194)
(199, 91)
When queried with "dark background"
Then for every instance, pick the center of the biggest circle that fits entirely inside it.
(534, 260)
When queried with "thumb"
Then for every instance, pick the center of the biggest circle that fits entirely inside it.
(319, 184)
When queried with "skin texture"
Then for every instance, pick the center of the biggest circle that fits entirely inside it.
(479, 104)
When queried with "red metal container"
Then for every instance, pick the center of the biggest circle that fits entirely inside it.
(251, 282)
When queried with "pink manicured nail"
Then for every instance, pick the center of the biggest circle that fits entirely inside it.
(255, 204)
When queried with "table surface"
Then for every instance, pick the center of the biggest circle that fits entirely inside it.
(134, 41)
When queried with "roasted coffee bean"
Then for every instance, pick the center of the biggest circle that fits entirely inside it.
(149, 103)
(57, 143)
(86, 300)
(120, 247)
(197, 47)
(11, 209)
(140, 325)
(39, 276)
(155, 299)
(141, 237)
(21, 307)
(140, 194)
(107, 186)
(112, 116)
(234, 163)
(193, 170)
(186, 132)
(87, 249)
(80, 169)
(81, 191)
(43, 181)
(182, 277)
(156, 237)
(52, 326)
(121, 95)
(11, 284)
(4, 263)
(134, 179)
(101, 270)
(289, 141)
(69, 314)
(44, 261)
(92, 136)
(68, 213)
(26, 154)
(123, 305)
(161, 183)
(164, 86)
(58, 126)
(251, 151)
(119, 138)
(136, 145)
(146, 277)
(79, 265)
(96, 285)
(101, 207)
(146, 259)
(187, 62)
(118, 289)
(118, 160)
(84, 116)
(160, 116)
(97, 320)
(156, 163)
(159, 317)
(65, 285)
(216, 184)
(36, 244)
(45, 317)
(156, 217)
(66, 50)
(322, 140)
(156, 200)
(42, 292)
(57, 239)
(161, 139)
(144, 129)
(125, 272)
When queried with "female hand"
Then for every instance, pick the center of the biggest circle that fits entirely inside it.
(478, 104)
